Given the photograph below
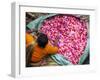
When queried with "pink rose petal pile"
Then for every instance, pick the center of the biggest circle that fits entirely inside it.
(71, 33)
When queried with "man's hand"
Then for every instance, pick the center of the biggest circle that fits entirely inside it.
(56, 41)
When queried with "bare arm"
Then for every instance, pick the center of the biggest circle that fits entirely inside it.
(32, 30)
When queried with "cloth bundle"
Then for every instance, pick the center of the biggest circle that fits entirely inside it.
(71, 34)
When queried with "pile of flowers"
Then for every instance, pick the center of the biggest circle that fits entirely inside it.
(71, 33)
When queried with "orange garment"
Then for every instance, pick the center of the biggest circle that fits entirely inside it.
(38, 52)
(29, 39)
